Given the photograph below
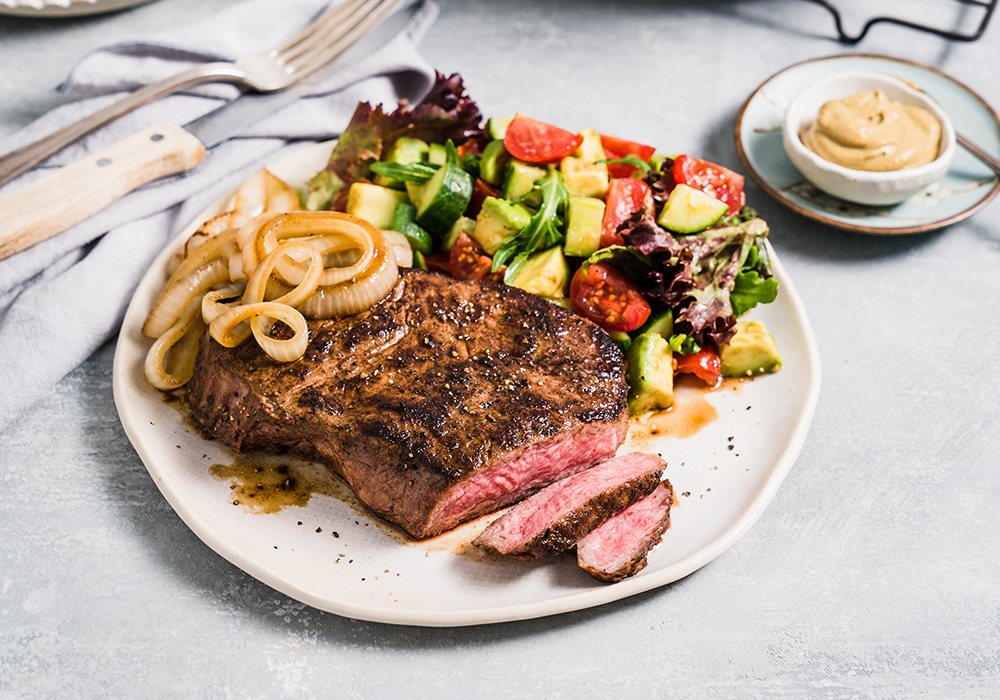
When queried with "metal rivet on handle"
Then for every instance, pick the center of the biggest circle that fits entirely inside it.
(156, 137)
(103, 162)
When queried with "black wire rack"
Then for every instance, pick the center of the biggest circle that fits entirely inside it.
(987, 7)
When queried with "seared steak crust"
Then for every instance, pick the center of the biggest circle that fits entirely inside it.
(444, 401)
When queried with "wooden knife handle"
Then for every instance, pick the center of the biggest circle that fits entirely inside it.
(73, 193)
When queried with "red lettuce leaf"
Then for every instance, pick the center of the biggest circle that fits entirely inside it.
(445, 113)
(696, 273)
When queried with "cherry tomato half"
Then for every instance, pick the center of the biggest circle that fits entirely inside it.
(602, 293)
(439, 262)
(537, 142)
(470, 262)
(704, 364)
(626, 195)
(721, 183)
(615, 148)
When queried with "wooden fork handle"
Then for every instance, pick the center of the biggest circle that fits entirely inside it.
(75, 192)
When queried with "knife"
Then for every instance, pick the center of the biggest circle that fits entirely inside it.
(75, 192)
(55, 202)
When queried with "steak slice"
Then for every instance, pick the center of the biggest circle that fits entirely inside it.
(553, 519)
(446, 400)
(619, 547)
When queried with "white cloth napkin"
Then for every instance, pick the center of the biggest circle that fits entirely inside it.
(65, 297)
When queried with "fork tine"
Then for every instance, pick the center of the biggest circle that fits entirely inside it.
(333, 28)
(319, 26)
(324, 49)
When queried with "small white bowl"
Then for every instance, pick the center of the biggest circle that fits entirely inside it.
(861, 186)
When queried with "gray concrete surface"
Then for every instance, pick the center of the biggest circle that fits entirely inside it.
(873, 574)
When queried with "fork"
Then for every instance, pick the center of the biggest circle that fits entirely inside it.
(327, 37)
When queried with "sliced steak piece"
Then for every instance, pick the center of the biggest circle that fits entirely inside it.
(618, 548)
(447, 400)
(556, 517)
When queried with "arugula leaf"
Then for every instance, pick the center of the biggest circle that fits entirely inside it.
(407, 172)
(626, 258)
(543, 229)
(683, 344)
(631, 159)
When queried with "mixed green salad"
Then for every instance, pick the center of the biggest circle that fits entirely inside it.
(660, 251)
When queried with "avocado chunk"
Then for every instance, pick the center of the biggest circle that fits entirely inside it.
(585, 173)
(494, 162)
(750, 352)
(405, 150)
(373, 203)
(650, 374)
(688, 210)
(545, 273)
(584, 219)
(519, 181)
(499, 219)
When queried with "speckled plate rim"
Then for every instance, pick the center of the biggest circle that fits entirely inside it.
(727, 489)
(816, 214)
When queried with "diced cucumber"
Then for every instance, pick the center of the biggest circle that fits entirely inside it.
(583, 226)
(442, 199)
(494, 162)
(519, 180)
(661, 321)
(497, 128)
(405, 150)
(689, 210)
(462, 225)
(373, 203)
(403, 222)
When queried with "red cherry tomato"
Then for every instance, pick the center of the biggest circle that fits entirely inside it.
(615, 148)
(470, 262)
(721, 183)
(625, 196)
(537, 142)
(602, 293)
(439, 262)
(704, 364)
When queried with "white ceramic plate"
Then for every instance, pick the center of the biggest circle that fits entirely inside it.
(967, 187)
(725, 475)
(64, 8)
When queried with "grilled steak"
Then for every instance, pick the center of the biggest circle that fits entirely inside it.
(618, 548)
(553, 519)
(446, 400)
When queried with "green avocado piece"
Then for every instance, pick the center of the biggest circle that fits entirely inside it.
(545, 273)
(494, 162)
(373, 203)
(584, 220)
(750, 352)
(499, 219)
(586, 172)
(650, 374)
